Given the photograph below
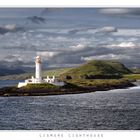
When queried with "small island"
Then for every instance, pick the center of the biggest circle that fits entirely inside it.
(95, 75)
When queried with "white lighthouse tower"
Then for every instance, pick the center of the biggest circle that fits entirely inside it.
(38, 71)
(38, 76)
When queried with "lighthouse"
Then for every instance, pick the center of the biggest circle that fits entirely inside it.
(38, 77)
(38, 71)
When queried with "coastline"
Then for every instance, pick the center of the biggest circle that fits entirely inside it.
(14, 91)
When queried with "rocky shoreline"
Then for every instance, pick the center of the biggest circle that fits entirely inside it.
(14, 91)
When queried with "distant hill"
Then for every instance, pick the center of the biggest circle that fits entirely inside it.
(24, 76)
(97, 69)
(8, 71)
(135, 70)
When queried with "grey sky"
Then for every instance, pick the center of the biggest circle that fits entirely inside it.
(68, 36)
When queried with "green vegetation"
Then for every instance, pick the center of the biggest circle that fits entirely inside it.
(132, 76)
(40, 86)
(96, 75)
(97, 69)
(56, 72)
(98, 82)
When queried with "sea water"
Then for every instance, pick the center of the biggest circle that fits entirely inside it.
(103, 110)
(9, 83)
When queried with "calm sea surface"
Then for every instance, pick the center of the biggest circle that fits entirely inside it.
(7, 83)
(115, 109)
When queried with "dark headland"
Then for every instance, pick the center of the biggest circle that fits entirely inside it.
(96, 75)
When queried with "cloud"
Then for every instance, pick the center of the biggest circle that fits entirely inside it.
(106, 57)
(13, 58)
(130, 45)
(132, 32)
(46, 11)
(57, 39)
(62, 51)
(47, 55)
(81, 30)
(36, 19)
(107, 29)
(10, 28)
(120, 11)
(77, 54)
(69, 55)
(72, 55)
(78, 47)
(67, 42)
(114, 11)
(93, 30)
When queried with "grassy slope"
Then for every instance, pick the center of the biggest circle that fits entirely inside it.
(98, 67)
(56, 72)
(40, 86)
(132, 76)
(98, 82)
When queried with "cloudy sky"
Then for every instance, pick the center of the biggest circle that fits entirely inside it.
(66, 37)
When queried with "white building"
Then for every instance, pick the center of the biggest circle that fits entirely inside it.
(38, 76)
